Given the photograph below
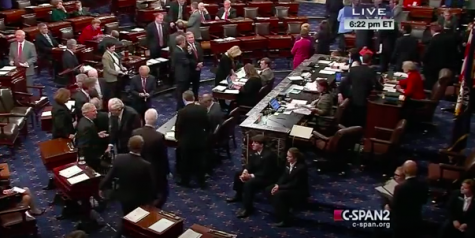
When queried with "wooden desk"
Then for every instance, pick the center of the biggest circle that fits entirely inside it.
(141, 228)
(146, 16)
(380, 114)
(277, 42)
(54, 27)
(421, 13)
(225, 96)
(78, 23)
(106, 18)
(253, 43)
(47, 121)
(273, 22)
(215, 27)
(4, 172)
(454, 11)
(93, 43)
(245, 25)
(12, 16)
(15, 79)
(167, 127)
(57, 152)
(219, 47)
(300, 19)
(30, 32)
(57, 52)
(239, 8)
(81, 191)
(265, 7)
(134, 61)
(210, 233)
(293, 7)
(131, 35)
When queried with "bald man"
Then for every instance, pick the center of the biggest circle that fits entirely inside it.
(142, 88)
(409, 197)
(23, 54)
(155, 151)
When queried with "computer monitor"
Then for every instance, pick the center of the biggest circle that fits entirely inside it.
(274, 104)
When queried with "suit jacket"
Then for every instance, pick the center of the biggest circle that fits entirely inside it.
(93, 93)
(249, 93)
(455, 209)
(87, 139)
(62, 121)
(196, 57)
(192, 126)
(193, 24)
(172, 15)
(172, 41)
(136, 87)
(154, 150)
(70, 61)
(225, 66)
(442, 52)
(216, 116)
(453, 24)
(80, 98)
(105, 41)
(266, 76)
(301, 51)
(153, 40)
(110, 73)
(181, 64)
(408, 199)
(231, 14)
(102, 124)
(135, 179)
(295, 179)
(28, 55)
(43, 46)
(263, 166)
(120, 132)
(405, 49)
(58, 15)
(359, 83)
(205, 16)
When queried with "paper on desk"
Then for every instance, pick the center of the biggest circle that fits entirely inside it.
(123, 32)
(70, 104)
(298, 102)
(136, 215)
(326, 72)
(78, 179)
(18, 190)
(190, 234)
(301, 131)
(262, 18)
(388, 85)
(323, 62)
(161, 225)
(173, 128)
(229, 38)
(331, 69)
(162, 60)
(240, 74)
(152, 62)
(231, 91)
(311, 86)
(3, 73)
(170, 136)
(389, 89)
(41, 98)
(287, 112)
(87, 68)
(387, 188)
(295, 78)
(62, 47)
(71, 171)
(46, 114)
(166, 49)
(306, 75)
(400, 74)
(219, 88)
(137, 29)
(218, 40)
(243, 80)
(7, 68)
(303, 111)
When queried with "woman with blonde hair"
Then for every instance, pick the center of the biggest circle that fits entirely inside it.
(413, 86)
(302, 48)
(249, 93)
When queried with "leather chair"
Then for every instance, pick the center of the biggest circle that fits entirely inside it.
(293, 28)
(14, 222)
(205, 38)
(332, 123)
(66, 34)
(384, 147)
(142, 46)
(281, 12)
(22, 4)
(262, 93)
(422, 111)
(251, 12)
(263, 29)
(222, 136)
(10, 112)
(6, 30)
(38, 102)
(8, 135)
(338, 147)
(109, 27)
(29, 20)
(230, 30)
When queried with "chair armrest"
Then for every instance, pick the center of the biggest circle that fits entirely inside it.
(64, 72)
(7, 114)
(317, 135)
(379, 141)
(16, 209)
(340, 126)
(382, 129)
(451, 167)
(213, 36)
(23, 94)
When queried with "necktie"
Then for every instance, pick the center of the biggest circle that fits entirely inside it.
(226, 15)
(144, 82)
(20, 52)
(194, 50)
(180, 12)
(49, 39)
(160, 34)
(203, 17)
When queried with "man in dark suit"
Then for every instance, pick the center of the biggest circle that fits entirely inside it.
(136, 181)
(260, 172)
(357, 86)
(143, 87)
(69, 58)
(226, 12)
(291, 188)
(88, 137)
(180, 30)
(387, 39)
(113, 38)
(123, 120)
(181, 65)
(191, 132)
(408, 199)
(406, 48)
(81, 96)
(442, 52)
(155, 151)
(157, 36)
(461, 212)
(196, 63)
(101, 121)
(203, 12)
(215, 114)
(45, 42)
(178, 11)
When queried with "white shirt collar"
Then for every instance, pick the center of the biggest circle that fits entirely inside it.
(187, 103)
(70, 51)
(21, 42)
(293, 164)
(147, 125)
(137, 154)
(435, 34)
(211, 105)
(408, 177)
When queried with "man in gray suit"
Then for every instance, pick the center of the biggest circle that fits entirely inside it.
(194, 22)
(23, 54)
(112, 69)
(266, 73)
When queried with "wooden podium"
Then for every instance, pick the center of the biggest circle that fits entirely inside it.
(141, 228)
(15, 79)
(81, 191)
(57, 152)
(211, 233)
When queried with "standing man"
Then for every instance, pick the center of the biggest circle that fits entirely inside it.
(23, 54)
(157, 36)
(81, 96)
(88, 138)
(266, 72)
(45, 42)
(123, 120)
(215, 114)
(155, 151)
(142, 87)
(226, 12)
(100, 85)
(180, 30)
(194, 23)
(177, 12)
(113, 68)
(181, 66)
(191, 132)
(135, 179)
(196, 59)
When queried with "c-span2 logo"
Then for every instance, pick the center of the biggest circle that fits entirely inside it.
(361, 215)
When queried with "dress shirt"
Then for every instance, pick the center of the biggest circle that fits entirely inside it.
(211, 105)
(116, 61)
(160, 33)
(291, 167)
(70, 51)
(180, 12)
(48, 39)
(466, 203)
(85, 93)
(225, 14)
(97, 86)
(258, 153)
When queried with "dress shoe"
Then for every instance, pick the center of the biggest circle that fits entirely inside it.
(243, 213)
(233, 199)
(281, 224)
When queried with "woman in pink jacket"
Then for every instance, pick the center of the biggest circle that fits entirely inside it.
(302, 48)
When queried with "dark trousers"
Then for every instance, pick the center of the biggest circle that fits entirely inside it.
(341, 42)
(358, 115)
(247, 190)
(282, 201)
(406, 229)
(181, 87)
(113, 89)
(141, 106)
(163, 192)
(333, 20)
(193, 164)
(195, 82)
(448, 231)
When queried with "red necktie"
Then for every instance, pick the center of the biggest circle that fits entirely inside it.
(144, 82)
(226, 15)
(203, 17)
(194, 50)
(20, 52)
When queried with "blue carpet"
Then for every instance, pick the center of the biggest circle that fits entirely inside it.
(207, 207)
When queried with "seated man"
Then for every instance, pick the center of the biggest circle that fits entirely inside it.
(226, 12)
(26, 199)
(257, 175)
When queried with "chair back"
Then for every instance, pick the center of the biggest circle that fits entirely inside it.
(7, 102)
(230, 30)
(281, 11)
(439, 88)
(23, 4)
(345, 139)
(251, 12)
(29, 19)
(226, 130)
(262, 28)
(205, 33)
(109, 27)
(293, 28)
(67, 33)
(398, 132)
(263, 92)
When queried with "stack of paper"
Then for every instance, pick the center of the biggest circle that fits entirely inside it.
(170, 136)
(46, 114)
(231, 91)
(124, 32)
(136, 215)
(8, 68)
(229, 38)
(161, 225)
(78, 179)
(219, 88)
(71, 171)
(331, 69)
(166, 49)
(400, 74)
(327, 62)
(306, 75)
(311, 86)
(137, 29)
(388, 188)
(190, 234)
(162, 60)
(389, 89)
(70, 105)
(326, 72)
(295, 78)
(240, 73)
(152, 62)
(303, 111)
(301, 131)
(3, 73)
